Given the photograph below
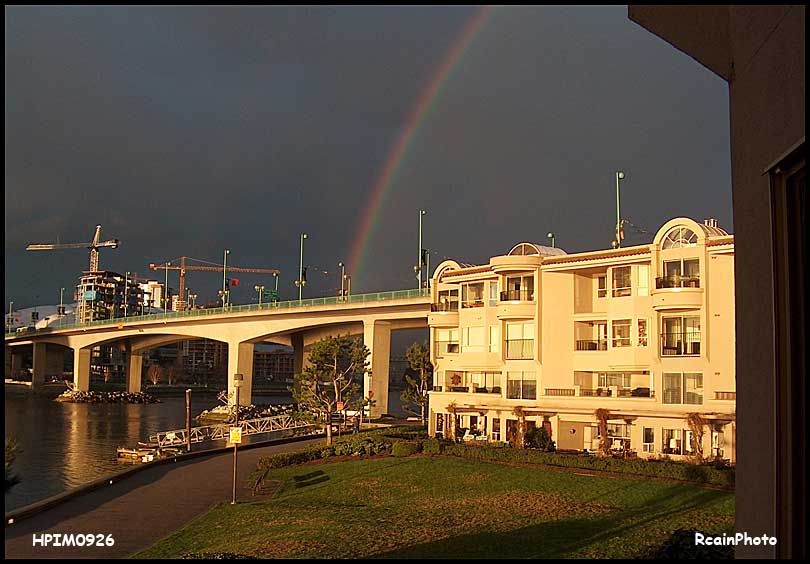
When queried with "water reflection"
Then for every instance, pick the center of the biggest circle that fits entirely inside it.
(65, 445)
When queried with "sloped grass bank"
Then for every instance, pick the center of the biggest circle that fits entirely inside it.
(439, 507)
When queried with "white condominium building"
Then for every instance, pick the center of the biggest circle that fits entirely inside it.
(644, 332)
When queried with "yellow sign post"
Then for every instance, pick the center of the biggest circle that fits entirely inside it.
(236, 435)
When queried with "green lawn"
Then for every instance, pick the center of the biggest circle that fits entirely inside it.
(423, 507)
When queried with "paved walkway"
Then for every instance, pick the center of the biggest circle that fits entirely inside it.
(142, 509)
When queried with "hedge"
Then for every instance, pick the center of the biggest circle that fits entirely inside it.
(636, 466)
(405, 448)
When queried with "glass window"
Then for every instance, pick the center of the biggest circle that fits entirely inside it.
(679, 237)
(601, 286)
(621, 333)
(642, 332)
(671, 441)
(493, 293)
(693, 388)
(672, 387)
(621, 281)
(618, 379)
(521, 385)
(472, 295)
(473, 339)
(494, 338)
(681, 336)
(648, 442)
(643, 280)
(519, 341)
(495, 429)
(520, 288)
(448, 300)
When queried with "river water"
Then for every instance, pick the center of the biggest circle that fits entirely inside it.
(65, 445)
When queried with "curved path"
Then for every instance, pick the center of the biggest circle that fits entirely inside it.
(141, 509)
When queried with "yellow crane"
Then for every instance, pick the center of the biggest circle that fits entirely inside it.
(93, 245)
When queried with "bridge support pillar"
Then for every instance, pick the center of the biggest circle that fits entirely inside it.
(14, 360)
(39, 365)
(134, 371)
(300, 355)
(377, 337)
(240, 361)
(81, 369)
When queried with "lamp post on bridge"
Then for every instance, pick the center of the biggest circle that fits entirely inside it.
(259, 290)
(225, 279)
(237, 383)
(342, 280)
(301, 282)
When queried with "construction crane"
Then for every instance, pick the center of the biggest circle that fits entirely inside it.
(207, 267)
(94, 246)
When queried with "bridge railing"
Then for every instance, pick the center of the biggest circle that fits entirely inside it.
(268, 306)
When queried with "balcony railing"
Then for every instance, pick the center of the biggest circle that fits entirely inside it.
(517, 296)
(444, 306)
(473, 302)
(725, 396)
(635, 393)
(592, 345)
(446, 347)
(677, 281)
(487, 390)
(680, 344)
(519, 349)
(561, 392)
(596, 393)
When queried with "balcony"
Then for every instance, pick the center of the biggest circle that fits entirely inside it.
(520, 349)
(592, 345)
(677, 292)
(680, 344)
(446, 347)
(725, 396)
(443, 314)
(607, 392)
(677, 281)
(517, 296)
(560, 392)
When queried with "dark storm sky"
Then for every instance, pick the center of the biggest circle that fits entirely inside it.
(185, 131)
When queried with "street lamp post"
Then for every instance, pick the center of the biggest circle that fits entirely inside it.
(126, 293)
(165, 293)
(342, 278)
(224, 278)
(237, 383)
(419, 256)
(550, 235)
(619, 176)
(259, 290)
(300, 282)
(275, 275)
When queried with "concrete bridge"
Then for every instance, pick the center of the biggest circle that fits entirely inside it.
(296, 323)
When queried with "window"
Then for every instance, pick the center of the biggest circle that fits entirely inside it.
(680, 273)
(693, 388)
(448, 300)
(519, 288)
(601, 286)
(621, 333)
(621, 281)
(521, 385)
(493, 293)
(486, 382)
(446, 342)
(456, 381)
(473, 339)
(519, 341)
(686, 388)
(648, 440)
(618, 379)
(472, 295)
(672, 441)
(642, 332)
(643, 280)
(681, 336)
(495, 432)
(679, 237)
(494, 338)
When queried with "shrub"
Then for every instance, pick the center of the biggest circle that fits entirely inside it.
(636, 466)
(432, 446)
(405, 448)
(215, 556)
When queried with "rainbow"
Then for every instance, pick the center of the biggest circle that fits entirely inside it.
(396, 156)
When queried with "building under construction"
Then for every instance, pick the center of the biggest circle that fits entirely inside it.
(106, 295)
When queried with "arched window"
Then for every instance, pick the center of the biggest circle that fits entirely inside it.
(679, 237)
(524, 249)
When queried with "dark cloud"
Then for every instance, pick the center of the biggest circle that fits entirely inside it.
(184, 131)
